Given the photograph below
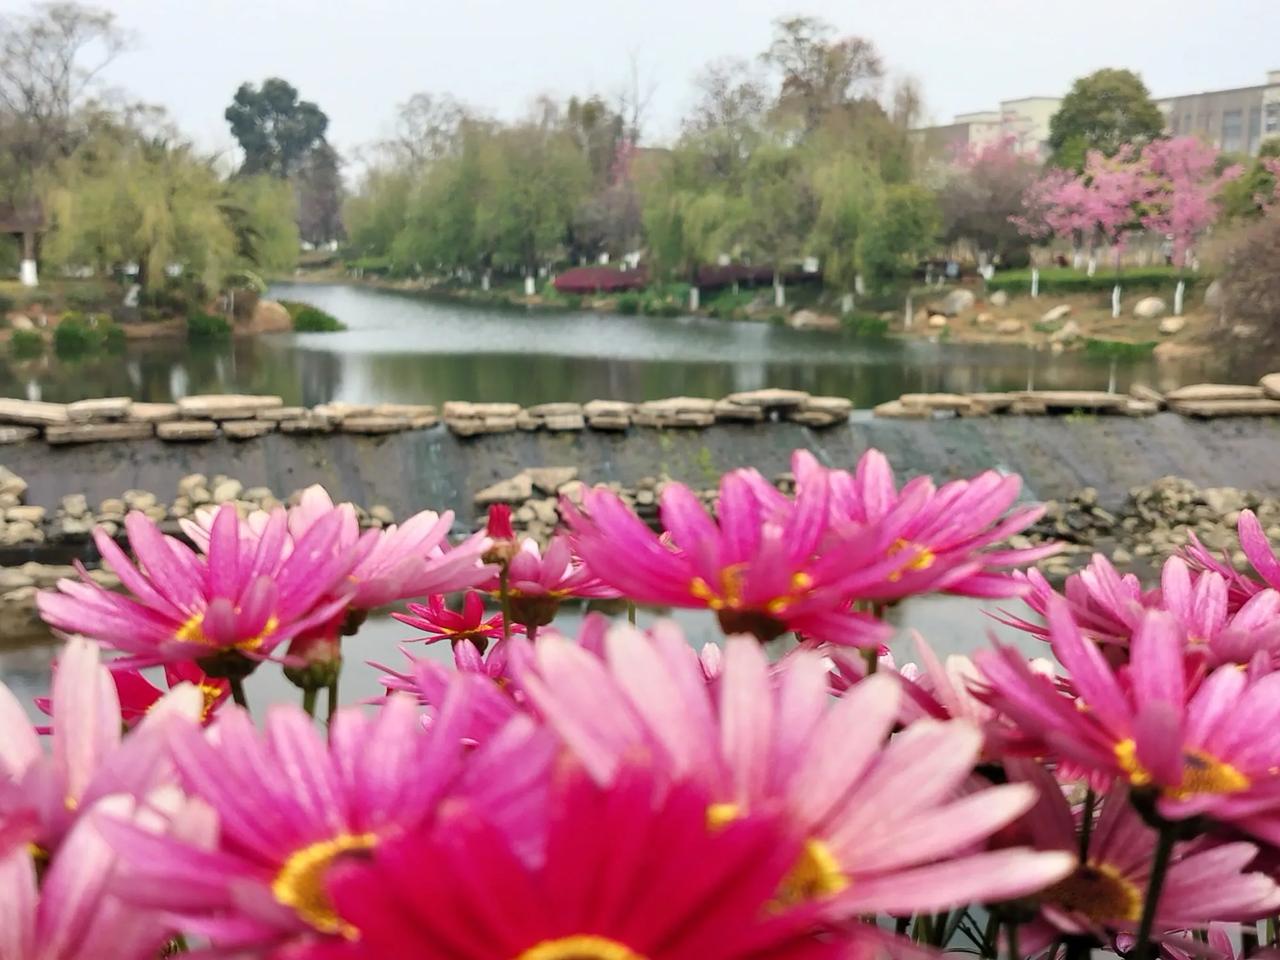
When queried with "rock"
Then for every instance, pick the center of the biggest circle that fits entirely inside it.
(1140, 391)
(1148, 308)
(839, 407)
(94, 411)
(1067, 333)
(1168, 326)
(1121, 557)
(186, 430)
(18, 434)
(1213, 295)
(517, 489)
(96, 432)
(1224, 500)
(382, 513)
(1139, 408)
(337, 411)
(373, 424)
(1225, 408)
(271, 317)
(608, 414)
(258, 494)
(768, 399)
(565, 421)
(11, 484)
(276, 414)
(812, 320)
(983, 404)
(896, 410)
(75, 505)
(247, 429)
(32, 412)
(816, 418)
(225, 406)
(1244, 331)
(936, 401)
(19, 322)
(152, 412)
(1270, 385)
(675, 412)
(308, 423)
(1009, 326)
(1094, 401)
(1060, 312)
(139, 499)
(1214, 391)
(729, 412)
(27, 514)
(999, 299)
(419, 415)
(227, 489)
(955, 303)
(550, 479)
(12, 578)
(937, 321)
(553, 409)
(984, 318)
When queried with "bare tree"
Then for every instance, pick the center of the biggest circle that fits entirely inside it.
(633, 99)
(820, 72)
(906, 102)
(426, 127)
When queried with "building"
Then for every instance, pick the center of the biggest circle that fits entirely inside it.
(1236, 121)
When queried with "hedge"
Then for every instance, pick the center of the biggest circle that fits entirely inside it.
(1065, 280)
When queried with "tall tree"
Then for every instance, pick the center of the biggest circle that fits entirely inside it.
(319, 191)
(275, 129)
(820, 72)
(981, 191)
(1103, 111)
(427, 128)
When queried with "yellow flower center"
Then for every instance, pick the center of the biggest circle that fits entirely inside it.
(211, 695)
(729, 595)
(722, 814)
(582, 946)
(300, 882)
(192, 631)
(1098, 891)
(816, 874)
(1201, 773)
(923, 560)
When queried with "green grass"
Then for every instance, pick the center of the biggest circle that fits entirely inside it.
(1065, 280)
(207, 326)
(309, 319)
(1118, 349)
(26, 344)
(865, 324)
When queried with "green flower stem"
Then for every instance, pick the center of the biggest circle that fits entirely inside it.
(1159, 867)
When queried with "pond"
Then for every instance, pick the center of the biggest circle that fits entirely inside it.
(950, 624)
(410, 349)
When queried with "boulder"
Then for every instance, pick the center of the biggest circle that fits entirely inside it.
(1148, 308)
(984, 318)
(1225, 408)
(248, 429)
(1244, 331)
(936, 401)
(227, 489)
(338, 411)
(937, 321)
(675, 412)
(1069, 332)
(18, 434)
(516, 489)
(769, 399)
(225, 406)
(96, 432)
(31, 412)
(728, 412)
(11, 485)
(1134, 407)
(187, 430)
(1094, 401)
(984, 404)
(1140, 391)
(152, 412)
(18, 321)
(419, 415)
(283, 413)
(897, 410)
(956, 302)
(95, 411)
(553, 409)
(549, 480)
(1171, 325)
(557, 422)
(1198, 392)
(1270, 385)
(822, 412)
(373, 424)
(1009, 326)
(25, 514)
(812, 320)
(307, 423)
(270, 316)
(999, 299)
(1060, 312)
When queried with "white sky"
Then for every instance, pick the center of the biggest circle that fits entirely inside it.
(358, 58)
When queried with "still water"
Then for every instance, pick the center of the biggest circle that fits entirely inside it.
(409, 349)
(950, 624)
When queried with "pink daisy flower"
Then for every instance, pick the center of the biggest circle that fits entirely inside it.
(538, 582)
(1210, 748)
(952, 531)
(765, 566)
(89, 758)
(438, 622)
(1256, 548)
(762, 741)
(289, 806)
(138, 695)
(222, 610)
(1103, 896)
(631, 872)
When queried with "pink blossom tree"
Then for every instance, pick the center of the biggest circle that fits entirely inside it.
(1183, 189)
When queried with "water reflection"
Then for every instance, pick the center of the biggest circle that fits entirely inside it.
(951, 624)
(410, 349)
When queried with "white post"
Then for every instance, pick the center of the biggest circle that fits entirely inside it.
(1111, 381)
(906, 317)
(779, 294)
(1093, 265)
(1035, 282)
(530, 286)
(1115, 301)
(1177, 297)
(1076, 259)
(735, 288)
(484, 281)
(27, 273)
(693, 298)
(859, 286)
(846, 303)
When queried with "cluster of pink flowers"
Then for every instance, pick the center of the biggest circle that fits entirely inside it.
(621, 795)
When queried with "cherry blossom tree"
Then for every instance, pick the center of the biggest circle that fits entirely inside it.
(1184, 186)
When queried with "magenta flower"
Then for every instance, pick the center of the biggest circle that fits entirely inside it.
(951, 532)
(138, 695)
(469, 624)
(1256, 548)
(289, 806)
(766, 566)
(1208, 748)
(184, 607)
(89, 759)
(629, 872)
(538, 582)
(776, 742)
(1103, 896)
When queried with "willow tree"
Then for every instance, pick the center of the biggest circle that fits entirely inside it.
(850, 198)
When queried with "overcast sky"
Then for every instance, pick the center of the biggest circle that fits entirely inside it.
(358, 58)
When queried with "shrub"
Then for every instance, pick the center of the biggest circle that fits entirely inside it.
(110, 334)
(73, 337)
(865, 324)
(309, 319)
(87, 296)
(6, 303)
(1250, 281)
(207, 326)
(41, 298)
(26, 344)
(628, 303)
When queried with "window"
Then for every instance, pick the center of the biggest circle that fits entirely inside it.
(1255, 129)
(1273, 119)
(1233, 131)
